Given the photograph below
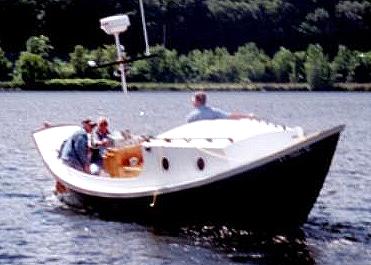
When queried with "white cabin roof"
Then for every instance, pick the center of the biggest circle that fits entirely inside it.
(214, 133)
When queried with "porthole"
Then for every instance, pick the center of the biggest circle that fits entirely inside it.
(200, 163)
(165, 163)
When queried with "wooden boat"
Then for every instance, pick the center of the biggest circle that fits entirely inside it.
(243, 172)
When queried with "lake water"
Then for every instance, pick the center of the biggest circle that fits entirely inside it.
(36, 228)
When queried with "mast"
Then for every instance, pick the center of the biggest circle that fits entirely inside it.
(144, 26)
(120, 49)
(115, 25)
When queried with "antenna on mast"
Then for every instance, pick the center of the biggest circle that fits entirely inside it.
(147, 53)
(114, 25)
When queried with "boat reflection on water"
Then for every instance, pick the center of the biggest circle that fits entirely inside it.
(251, 246)
(239, 246)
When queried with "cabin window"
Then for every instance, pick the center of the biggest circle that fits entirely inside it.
(200, 163)
(165, 163)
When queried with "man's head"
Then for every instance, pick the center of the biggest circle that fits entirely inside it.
(88, 125)
(103, 124)
(199, 99)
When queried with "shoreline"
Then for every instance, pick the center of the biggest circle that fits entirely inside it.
(112, 85)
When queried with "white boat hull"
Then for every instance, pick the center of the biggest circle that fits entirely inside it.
(273, 185)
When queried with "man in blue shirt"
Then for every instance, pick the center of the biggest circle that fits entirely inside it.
(203, 112)
(75, 151)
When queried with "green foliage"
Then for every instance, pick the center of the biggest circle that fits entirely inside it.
(211, 66)
(222, 67)
(283, 65)
(251, 63)
(5, 67)
(32, 65)
(140, 71)
(353, 14)
(363, 68)
(39, 45)
(62, 69)
(11, 85)
(103, 55)
(165, 67)
(185, 25)
(197, 66)
(80, 84)
(79, 60)
(298, 71)
(344, 65)
(316, 22)
(318, 70)
(31, 68)
(198, 63)
(228, 11)
(99, 56)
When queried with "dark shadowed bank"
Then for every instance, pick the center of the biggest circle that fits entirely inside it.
(113, 85)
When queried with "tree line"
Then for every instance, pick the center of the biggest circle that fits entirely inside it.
(247, 64)
(186, 25)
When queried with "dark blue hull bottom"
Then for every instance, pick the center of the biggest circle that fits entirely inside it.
(279, 194)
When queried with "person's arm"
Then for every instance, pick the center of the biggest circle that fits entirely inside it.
(105, 142)
(82, 149)
(191, 117)
(109, 140)
(237, 115)
(87, 169)
(220, 114)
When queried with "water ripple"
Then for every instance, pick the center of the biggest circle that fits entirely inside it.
(18, 195)
(37, 228)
